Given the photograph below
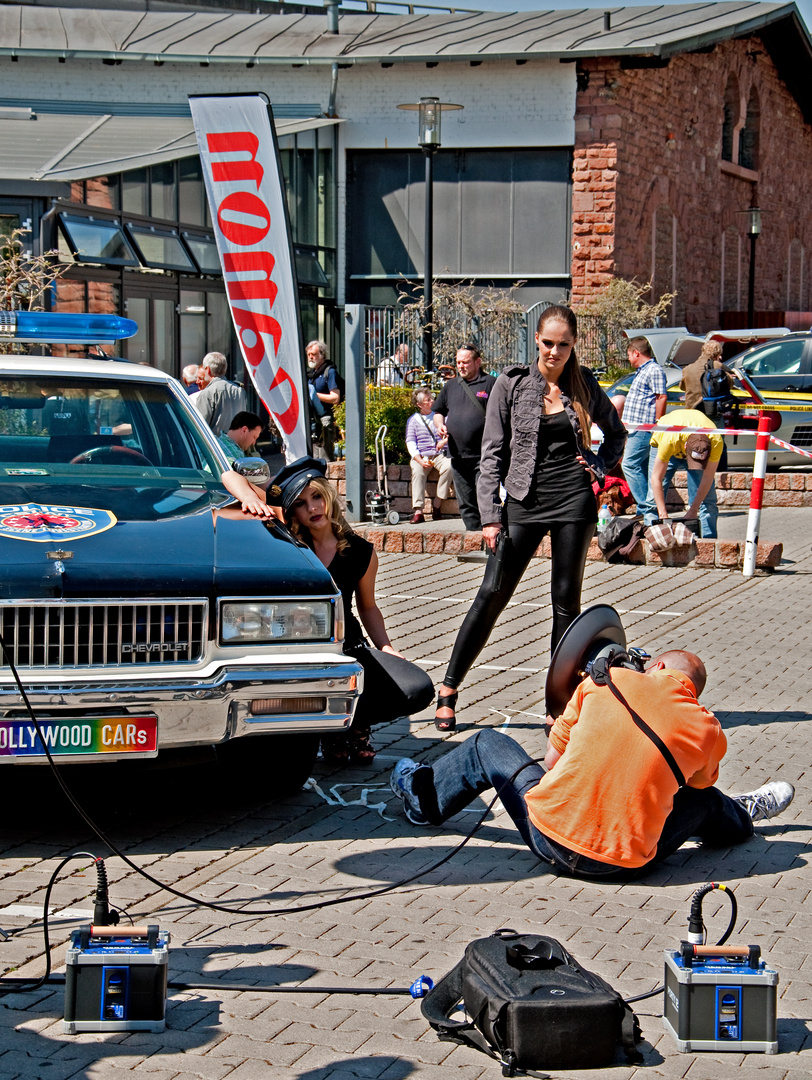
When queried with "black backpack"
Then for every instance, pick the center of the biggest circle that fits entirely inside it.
(532, 1006)
(715, 386)
(340, 384)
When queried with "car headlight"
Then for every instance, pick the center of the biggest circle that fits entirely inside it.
(273, 621)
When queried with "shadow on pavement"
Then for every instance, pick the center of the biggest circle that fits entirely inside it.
(757, 719)
(472, 866)
(361, 1068)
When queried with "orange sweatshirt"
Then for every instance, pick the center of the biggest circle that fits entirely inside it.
(609, 794)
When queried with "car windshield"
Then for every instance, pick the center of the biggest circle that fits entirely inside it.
(63, 429)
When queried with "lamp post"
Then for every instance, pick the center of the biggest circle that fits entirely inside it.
(430, 110)
(753, 230)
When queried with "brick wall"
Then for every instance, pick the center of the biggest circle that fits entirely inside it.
(733, 489)
(648, 183)
(399, 480)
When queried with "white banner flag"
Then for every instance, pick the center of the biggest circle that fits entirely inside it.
(244, 186)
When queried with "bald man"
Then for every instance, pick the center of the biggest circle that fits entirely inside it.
(606, 804)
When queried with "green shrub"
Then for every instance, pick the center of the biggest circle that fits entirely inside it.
(391, 406)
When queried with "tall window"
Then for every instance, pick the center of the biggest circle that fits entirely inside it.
(748, 136)
(731, 117)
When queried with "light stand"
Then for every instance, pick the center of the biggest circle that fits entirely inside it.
(430, 111)
(753, 230)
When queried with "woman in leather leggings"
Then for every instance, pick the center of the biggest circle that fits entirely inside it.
(537, 445)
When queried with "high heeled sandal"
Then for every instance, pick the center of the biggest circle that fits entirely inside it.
(446, 701)
(362, 752)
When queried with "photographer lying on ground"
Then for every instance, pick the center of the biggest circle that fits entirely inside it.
(606, 804)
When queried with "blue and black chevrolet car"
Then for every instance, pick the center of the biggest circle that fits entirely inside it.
(141, 611)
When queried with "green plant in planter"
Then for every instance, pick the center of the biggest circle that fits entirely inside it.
(391, 406)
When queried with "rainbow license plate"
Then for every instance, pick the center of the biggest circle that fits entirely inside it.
(79, 736)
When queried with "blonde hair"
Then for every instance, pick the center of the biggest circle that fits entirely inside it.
(711, 350)
(338, 524)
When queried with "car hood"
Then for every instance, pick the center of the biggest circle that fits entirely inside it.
(155, 540)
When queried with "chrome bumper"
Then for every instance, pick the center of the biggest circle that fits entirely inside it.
(201, 712)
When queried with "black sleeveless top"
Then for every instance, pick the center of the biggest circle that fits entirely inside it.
(561, 490)
(346, 570)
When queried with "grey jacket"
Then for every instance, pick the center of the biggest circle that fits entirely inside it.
(510, 440)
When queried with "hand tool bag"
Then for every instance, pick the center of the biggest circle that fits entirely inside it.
(532, 1005)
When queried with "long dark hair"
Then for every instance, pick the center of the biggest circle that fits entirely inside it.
(573, 382)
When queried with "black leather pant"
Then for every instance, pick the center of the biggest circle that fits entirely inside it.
(570, 544)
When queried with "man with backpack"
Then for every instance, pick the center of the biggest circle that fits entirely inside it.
(705, 383)
(325, 386)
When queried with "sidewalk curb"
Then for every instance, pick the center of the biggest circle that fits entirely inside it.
(701, 555)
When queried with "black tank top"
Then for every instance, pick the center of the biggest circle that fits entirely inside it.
(561, 489)
(346, 570)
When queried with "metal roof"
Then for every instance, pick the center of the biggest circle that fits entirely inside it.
(80, 146)
(368, 37)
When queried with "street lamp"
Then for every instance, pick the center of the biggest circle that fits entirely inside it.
(753, 230)
(430, 111)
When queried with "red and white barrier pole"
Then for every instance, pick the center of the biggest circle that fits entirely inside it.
(756, 495)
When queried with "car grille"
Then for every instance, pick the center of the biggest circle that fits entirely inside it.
(802, 435)
(103, 634)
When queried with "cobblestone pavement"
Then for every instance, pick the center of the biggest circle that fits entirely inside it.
(344, 833)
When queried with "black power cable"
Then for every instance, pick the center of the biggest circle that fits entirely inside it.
(22, 983)
(347, 898)
(696, 927)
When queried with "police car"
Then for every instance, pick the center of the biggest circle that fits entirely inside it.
(140, 610)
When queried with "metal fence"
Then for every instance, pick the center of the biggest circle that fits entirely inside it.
(600, 341)
(393, 342)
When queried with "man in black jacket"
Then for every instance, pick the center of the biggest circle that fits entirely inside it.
(460, 414)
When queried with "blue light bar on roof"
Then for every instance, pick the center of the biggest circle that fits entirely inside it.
(55, 326)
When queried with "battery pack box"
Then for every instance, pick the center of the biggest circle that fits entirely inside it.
(720, 1002)
(115, 979)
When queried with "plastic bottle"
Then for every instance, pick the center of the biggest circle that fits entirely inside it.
(604, 517)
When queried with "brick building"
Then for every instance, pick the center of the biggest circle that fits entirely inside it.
(667, 156)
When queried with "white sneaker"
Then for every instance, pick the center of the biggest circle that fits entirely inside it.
(400, 781)
(767, 801)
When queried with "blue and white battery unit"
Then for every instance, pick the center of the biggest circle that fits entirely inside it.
(720, 998)
(115, 979)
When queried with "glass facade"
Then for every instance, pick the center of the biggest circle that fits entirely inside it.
(142, 242)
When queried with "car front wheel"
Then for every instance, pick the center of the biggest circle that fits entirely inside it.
(270, 765)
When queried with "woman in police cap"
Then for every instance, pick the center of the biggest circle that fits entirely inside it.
(392, 685)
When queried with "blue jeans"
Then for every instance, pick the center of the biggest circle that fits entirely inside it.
(636, 469)
(491, 759)
(708, 508)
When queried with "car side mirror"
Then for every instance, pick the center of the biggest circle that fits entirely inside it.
(254, 469)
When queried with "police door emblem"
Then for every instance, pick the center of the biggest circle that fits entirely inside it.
(43, 523)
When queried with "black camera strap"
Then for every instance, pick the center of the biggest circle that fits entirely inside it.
(469, 393)
(601, 676)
